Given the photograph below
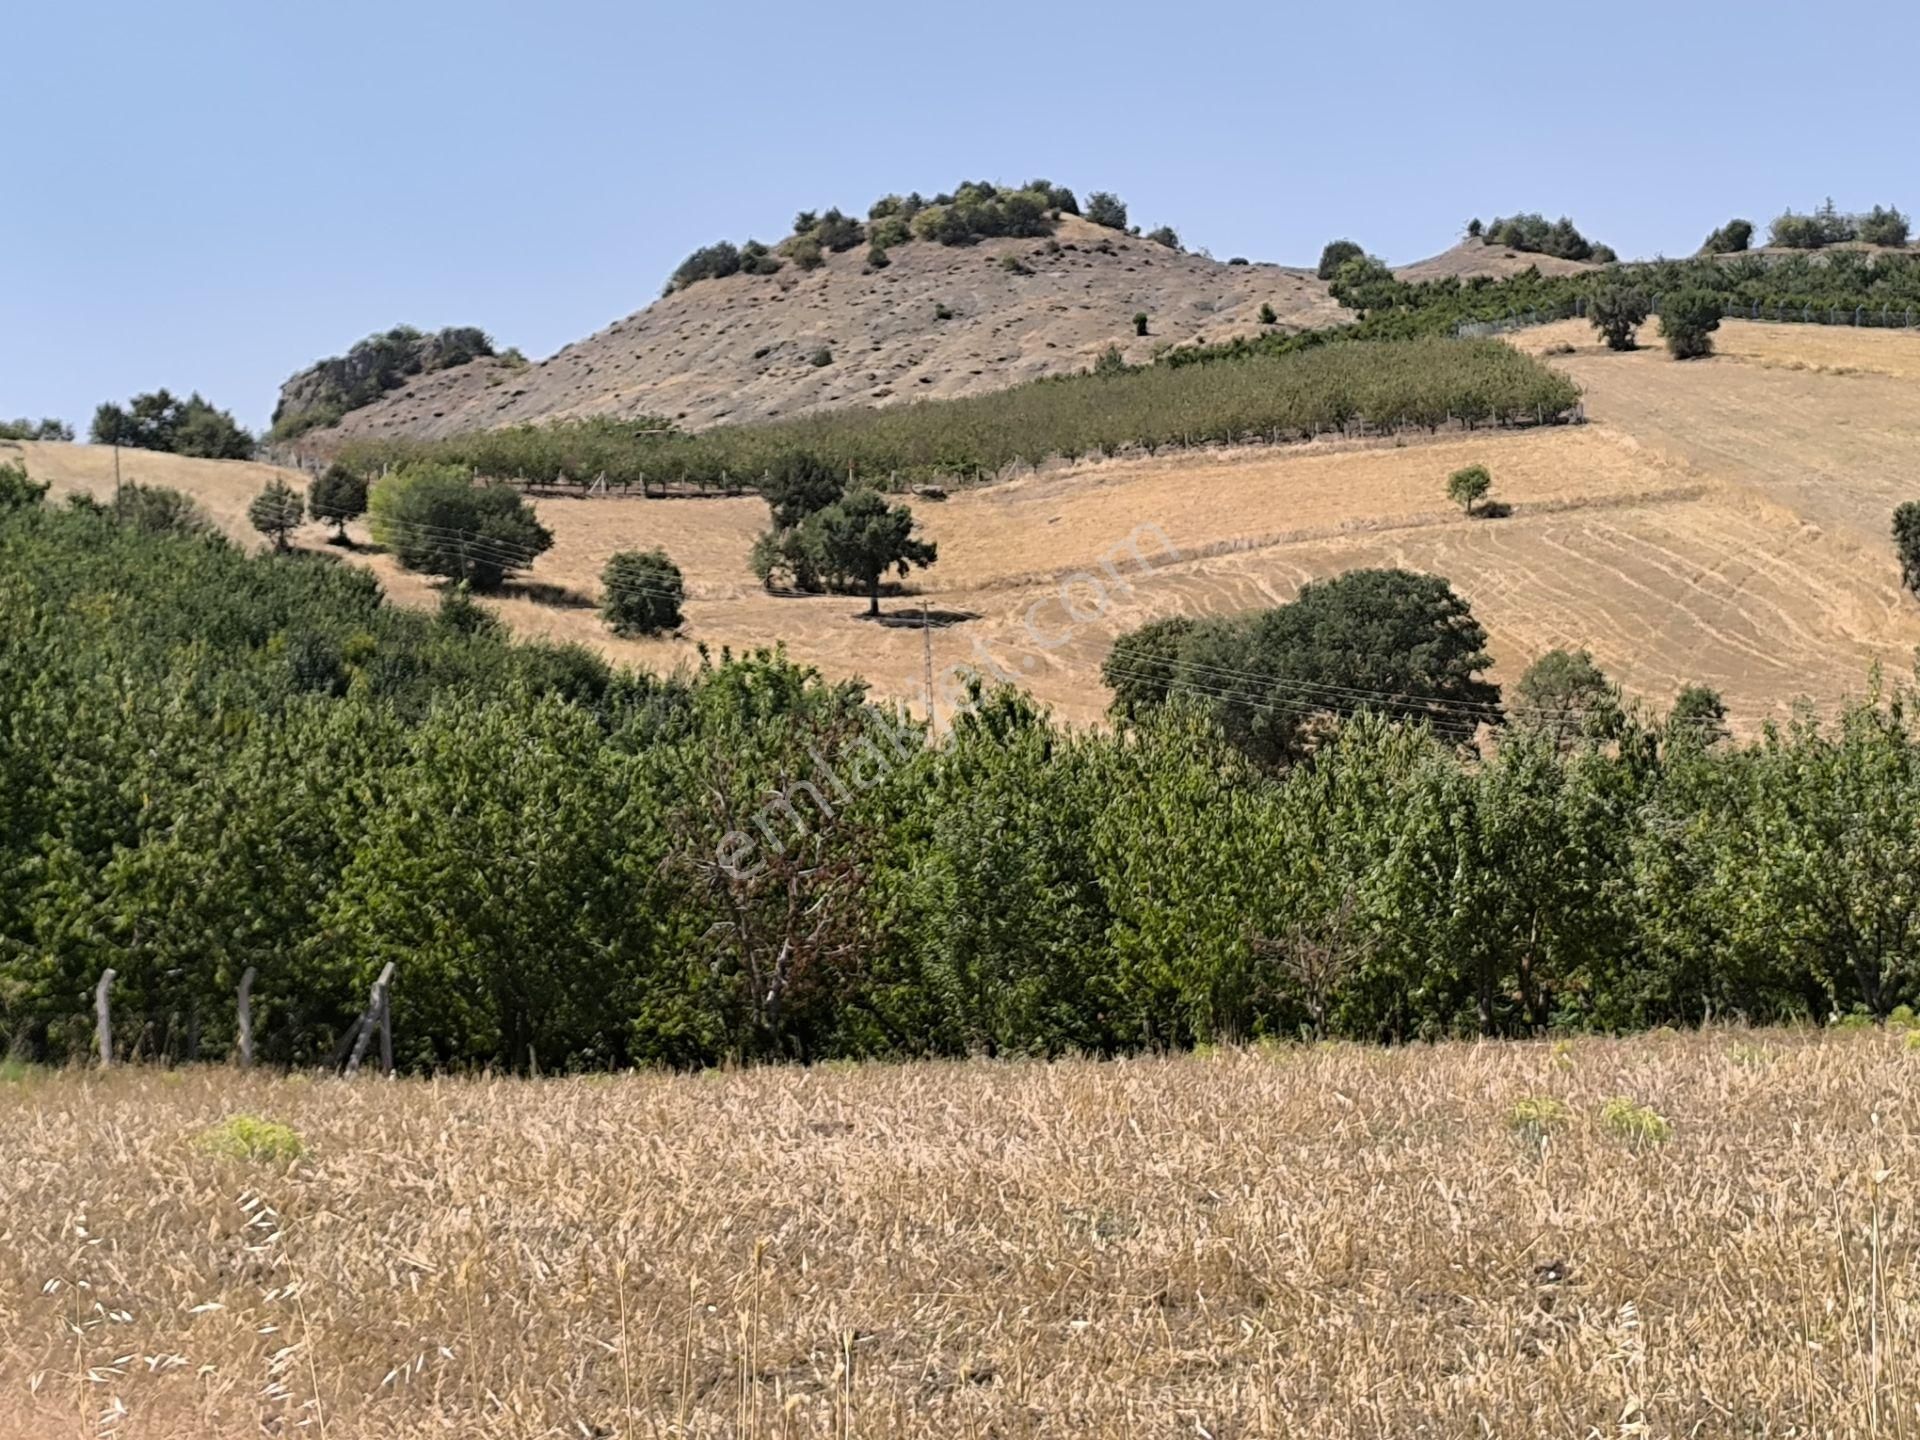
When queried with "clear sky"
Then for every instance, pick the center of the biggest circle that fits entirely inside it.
(211, 195)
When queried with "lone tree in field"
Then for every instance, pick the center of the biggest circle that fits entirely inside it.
(644, 589)
(1688, 320)
(1397, 643)
(1906, 542)
(1617, 311)
(1565, 693)
(1468, 487)
(338, 495)
(862, 537)
(1336, 254)
(435, 519)
(276, 512)
(1140, 322)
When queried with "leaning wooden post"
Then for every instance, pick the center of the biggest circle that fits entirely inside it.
(386, 1032)
(375, 1000)
(103, 1019)
(246, 1019)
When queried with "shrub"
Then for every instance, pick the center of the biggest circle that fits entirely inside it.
(1466, 488)
(1140, 322)
(339, 495)
(821, 357)
(276, 512)
(1537, 1117)
(1566, 694)
(838, 232)
(894, 230)
(1883, 227)
(1617, 312)
(643, 590)
(1336, 254)
(942, 311)
(1165, 235)
(1698, 715)
(805, 253)
(18, 491)
(1237, 260)
(435, 520)
(1143, 665)
(1111, 361)
(757, 259)
(1267, 315)
(1730, 239)
(1364, 283)
(1825, 226)
(1688, 320)
(248, 1137)
(1906, 543)
(1014, 265)
(1533, 233)
(1636, 1124)
(877, 257)
(158, 510)
(24, 429)
(709, 262)
(1108, 209)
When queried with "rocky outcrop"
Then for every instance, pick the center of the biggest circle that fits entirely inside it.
(324, 392)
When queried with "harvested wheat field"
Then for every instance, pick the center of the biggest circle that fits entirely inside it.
(1719, 522)
(1458, 1240)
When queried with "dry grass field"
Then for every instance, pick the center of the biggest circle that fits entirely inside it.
(1720, 522)
(1296, 1241)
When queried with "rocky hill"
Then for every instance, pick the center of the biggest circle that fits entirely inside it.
(938, 320)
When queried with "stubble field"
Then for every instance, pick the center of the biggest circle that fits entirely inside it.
(1719, 522)
(1313, 1241)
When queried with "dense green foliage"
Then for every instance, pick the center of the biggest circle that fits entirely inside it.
(1402, 642)
(1308, 388)
(330, 388)
(1882, 225)
(1906, 543)
(1568, 694)
(210, 762)
(276, 512)
(860, 537)
(1688, 320)
(1106, 208)
(1337, 253)
(642, 592)
(338, 495)
(1730, 239)
(18, 489)
(163, 421)
(435, 519)
(1536, 234)
(1467, 487)
(1618, 312)
(25, 429)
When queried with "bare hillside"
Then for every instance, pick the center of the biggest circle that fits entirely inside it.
(1475, 257)
(752, 347)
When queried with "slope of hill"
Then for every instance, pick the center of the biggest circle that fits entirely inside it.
(1475, 257)
(752, 347)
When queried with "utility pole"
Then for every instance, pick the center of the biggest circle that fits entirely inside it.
(116, 473)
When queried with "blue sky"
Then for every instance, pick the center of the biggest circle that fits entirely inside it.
(209, 196)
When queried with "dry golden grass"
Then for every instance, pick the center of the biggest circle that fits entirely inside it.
(1719, 522)
(1300, 1241)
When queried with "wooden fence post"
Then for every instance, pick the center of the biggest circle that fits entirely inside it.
(386, 1032)
(375, 1001)
(246, 1019)
(103, 1019)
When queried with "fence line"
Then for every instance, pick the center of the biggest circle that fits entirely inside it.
(1864, 317)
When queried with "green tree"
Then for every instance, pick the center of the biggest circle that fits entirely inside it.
(1468, 487)
(1906, 543)
(1105, 208)
(1688, 320)
(1698, 716)
(1570, 697)
(339, 495)
(158, 510)
(798, 483)
(276, 512)
(1335, 254)
(1267, 315)
(1617, 312)
(25, 429)
(643, 590)
(1165, 235)
(862, 537)
(435, 519)
(161, 421)
(17, 489)
(1143, 665)
(1883, 226)
(1730, 239)
(1140, 322)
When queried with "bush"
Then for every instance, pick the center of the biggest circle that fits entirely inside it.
(276, 512)
(248, 1137)
(1636, 1124)
(1108, 209)
(1617, 312)
(1267, 315)
(1883, 227)
(894, 230)
(1166, 236)
(942, 311)
(160, 421)
(709, 262)
(434, 519)
(643, 590)
(1906, 543)
(1140, 322)
(821, 357)
(158, 510)
(805, 253)
(1730, 239)
(1014, 265)
(1533, 233)
(757, 259)
(1466, 488)
(838, 232)
(18, 490)
(24, 429)
(1825, 226)
(877, 258)
(1336, 254)
(1688, 320)
(339, 495)
(1566, 694)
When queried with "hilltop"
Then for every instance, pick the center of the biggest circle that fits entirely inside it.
(746, 347)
